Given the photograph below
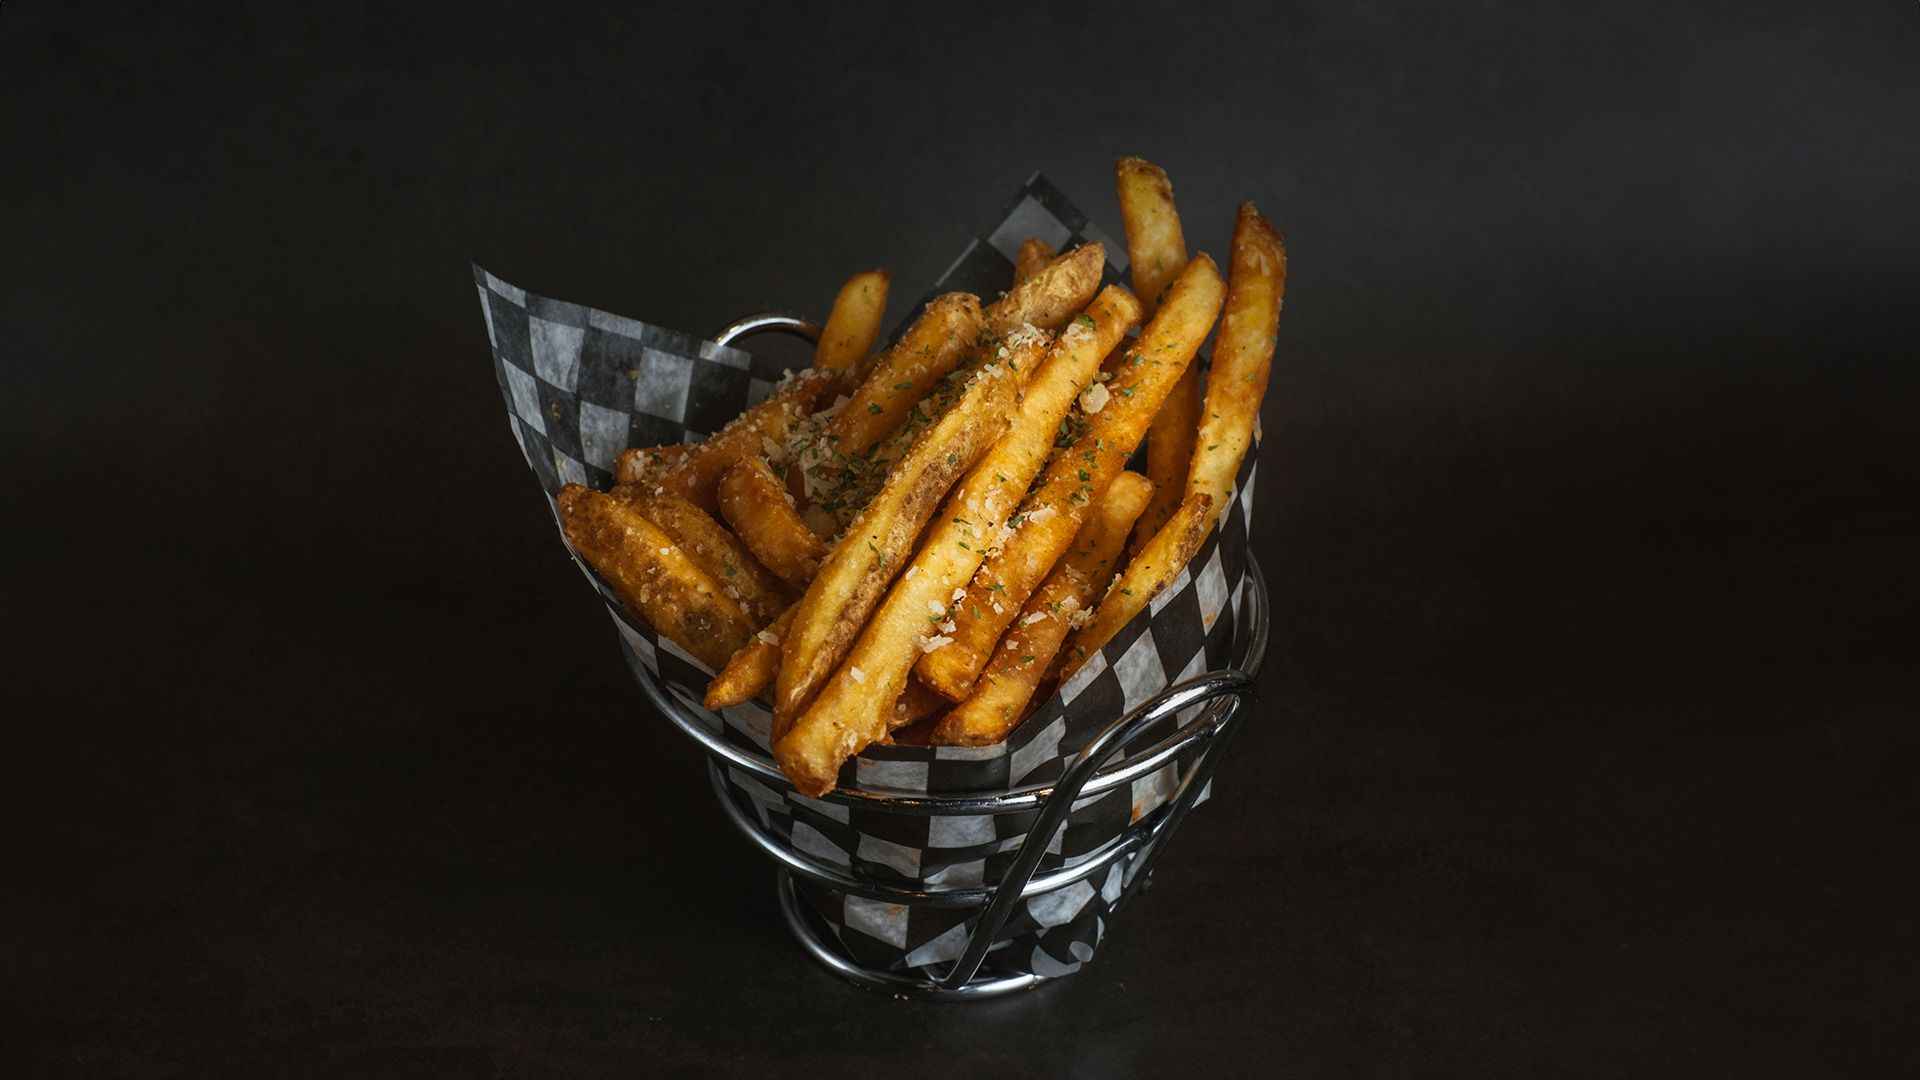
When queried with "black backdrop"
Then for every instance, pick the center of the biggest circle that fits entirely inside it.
(1585, 742)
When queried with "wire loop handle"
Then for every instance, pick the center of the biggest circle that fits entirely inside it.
(768, 322)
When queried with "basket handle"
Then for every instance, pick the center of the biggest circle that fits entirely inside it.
(768, 322)
(1226, 692)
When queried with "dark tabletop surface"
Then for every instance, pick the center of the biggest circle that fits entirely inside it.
(1586, 739)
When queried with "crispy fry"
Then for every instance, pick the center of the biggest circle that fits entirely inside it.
(1077, 477)
(918, 715)
(641, 466)
(876, 546)
(856, 706)
(697, 473)
(1000, 697)
(933, 346)
(1170, 442)
(837, 471)
(917, 702)
(1146, 576)
(654, 578)
(717, 552)
(1050, 297)
(1156, 253)
(1156, 245)
(757, 505)
(752, 668)
(1034, 255)
(854, 324)
(1242, 357)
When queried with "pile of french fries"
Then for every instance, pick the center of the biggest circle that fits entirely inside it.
(910, 546)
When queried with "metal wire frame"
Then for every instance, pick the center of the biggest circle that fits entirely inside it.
(1219, 698)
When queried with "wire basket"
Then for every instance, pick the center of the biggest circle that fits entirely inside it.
(1186, 727)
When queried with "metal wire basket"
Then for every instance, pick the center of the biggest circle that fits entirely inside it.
(1188, 725)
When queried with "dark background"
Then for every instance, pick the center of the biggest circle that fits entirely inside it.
(1585, 744)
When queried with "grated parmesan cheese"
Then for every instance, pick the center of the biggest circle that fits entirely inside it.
(935, 642)
(1094, 398)
(858, 675)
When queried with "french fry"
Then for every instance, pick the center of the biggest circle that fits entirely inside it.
(1000, 696)
(917, 702)
(752, 668)
(697, 473)
(876, 545)
(757, 505)
(1146, 576)
(856, 706)
(917, 715)
(1170, 442)
(1051, 296)
(1242, 357)
(1034, 255)
(717, 552)
(948, 332)
(654, 578)
(1156, 253)
(1156, 245)
(933, 346)
(1077, 477)
(839, 470)
(640, 466)
(854, 324)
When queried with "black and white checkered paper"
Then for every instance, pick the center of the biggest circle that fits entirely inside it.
(581, 385)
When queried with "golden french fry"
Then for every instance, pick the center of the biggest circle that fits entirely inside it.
(1156, 253)
(917, 702)
(1242, 357)
(1156, 245)
(877, 544)
(757, 505)
(1077, 477)
(856, 706)
(1051, 296)
(1146, 575)
(752, 668)
(1001, 695)
(1034, 255)
(697, 473)
(644, 465)
(838, 472)
(653, 576)
(933, 346)
(717, 552)
(917, 715)
(854, 324)
(1170, 441)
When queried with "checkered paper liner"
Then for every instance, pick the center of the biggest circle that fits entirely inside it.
(581, 385)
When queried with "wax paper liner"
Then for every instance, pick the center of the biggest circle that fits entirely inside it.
(581, 385)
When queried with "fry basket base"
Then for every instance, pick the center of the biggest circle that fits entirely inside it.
(818, 946)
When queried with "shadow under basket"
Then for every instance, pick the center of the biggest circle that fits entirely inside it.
(1186, 728)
